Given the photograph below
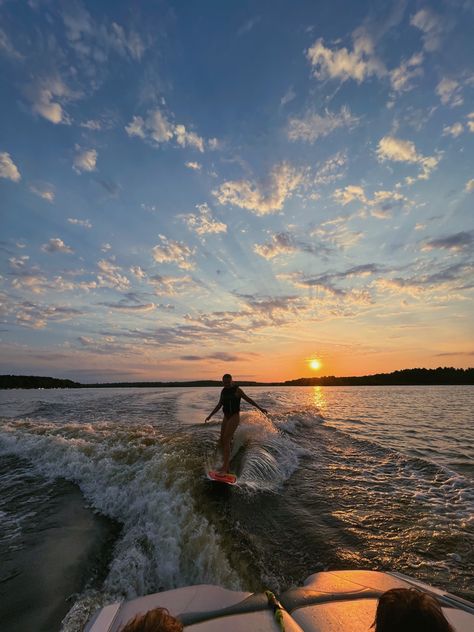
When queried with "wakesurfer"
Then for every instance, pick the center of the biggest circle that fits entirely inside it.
(229, 400)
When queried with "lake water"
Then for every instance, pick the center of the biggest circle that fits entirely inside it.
(103, 492)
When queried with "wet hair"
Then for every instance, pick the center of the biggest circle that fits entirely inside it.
(156, 620)
(409, 610)
(226, 375)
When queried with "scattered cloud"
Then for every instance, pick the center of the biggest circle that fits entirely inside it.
(48, 97)
(45, 191)
(138, 272)
(470, 122)
(84, 160)
(185, 138)
(261, 197)
(95, 41)
(203, 223)
(349, 194)
(156, 128)
(248, 25)
(85, 223)
(399, 150)
(331, 169)
(279, 244)
(8, 168)
(454, 130)
(313, 126)
(450, 92)
(401, 78)
(431, 25)
(456, 242)
(196, 166)
(170, 285)
(7, 48)
(56, 245)
(92, 125)
(110, 275)
(469, 188)
(169, 251)
(359, 63)
(289, 95)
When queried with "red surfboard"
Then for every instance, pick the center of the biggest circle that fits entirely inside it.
(230, 479)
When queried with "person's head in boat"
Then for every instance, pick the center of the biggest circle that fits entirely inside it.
(227, 379)
(409, 610)
(157, 620)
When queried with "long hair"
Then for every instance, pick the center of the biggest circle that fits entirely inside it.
(409, 610)
(157, 620)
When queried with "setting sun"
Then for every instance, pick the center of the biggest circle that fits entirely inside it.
(314, 364)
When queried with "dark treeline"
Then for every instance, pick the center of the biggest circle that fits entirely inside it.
(441, 375)
(35, 381)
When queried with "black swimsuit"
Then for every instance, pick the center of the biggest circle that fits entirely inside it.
(230, 401)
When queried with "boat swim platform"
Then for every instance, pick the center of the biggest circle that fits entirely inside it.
(328, 601)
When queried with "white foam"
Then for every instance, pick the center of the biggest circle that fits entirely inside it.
(125, 474)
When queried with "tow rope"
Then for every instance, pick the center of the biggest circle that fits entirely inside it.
(277, 608)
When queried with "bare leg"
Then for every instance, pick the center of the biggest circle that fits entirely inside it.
(228, 428)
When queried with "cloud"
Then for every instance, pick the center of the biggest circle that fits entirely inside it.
(196, 166)
(469, 188)
(331, 169)
(220, 356)
(280, 243)
(56, 245)
(85, 223)
(92, 125)
(138, 272)
(96, 41)
(36, 316)
(248, 25)
(402, 77)
(45, 191)
(186, 138)
(454, 130)
(343, 64)
(431, 25)
(456, 242)
(169, 251)
(450, 92)
(398, 150)
(470, 122)
(446, 279)
(261, 197)
(110, 275)
(84, 160)
(313, 126)
(123, 306)
(7, 47)
(289, 95)
(156, 128)
(203, 223)
(48, 96)
(170, 285)
(8, 168)
(349, 194)
(336, 234)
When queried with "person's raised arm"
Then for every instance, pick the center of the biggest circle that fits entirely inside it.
(219, 404)
(250, 401)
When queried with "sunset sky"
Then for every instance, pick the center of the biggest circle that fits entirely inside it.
(191, 188)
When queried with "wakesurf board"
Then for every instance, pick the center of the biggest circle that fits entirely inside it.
(229, 479)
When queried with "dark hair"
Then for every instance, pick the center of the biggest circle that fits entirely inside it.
(226, 375)
(409, 610)
(156, 620)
